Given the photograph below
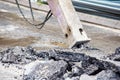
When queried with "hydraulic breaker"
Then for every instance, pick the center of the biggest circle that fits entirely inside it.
(69, 21)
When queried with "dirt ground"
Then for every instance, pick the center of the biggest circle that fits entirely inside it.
(15, 31)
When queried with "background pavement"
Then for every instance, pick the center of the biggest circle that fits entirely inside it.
(15, 31)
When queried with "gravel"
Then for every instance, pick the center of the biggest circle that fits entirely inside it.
(57, 64)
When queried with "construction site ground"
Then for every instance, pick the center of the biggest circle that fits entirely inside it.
(15, 31)
(26, 63)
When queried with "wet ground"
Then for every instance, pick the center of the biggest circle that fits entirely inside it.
(14, 31)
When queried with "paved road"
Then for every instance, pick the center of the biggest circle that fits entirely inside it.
(14, 31)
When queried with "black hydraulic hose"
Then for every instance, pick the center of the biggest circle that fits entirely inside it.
(31, 10)
(48, 16)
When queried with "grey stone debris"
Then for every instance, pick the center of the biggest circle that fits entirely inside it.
(18, 55)
(91, 70)
(108, 75)
(73, 78)
(45, 70)
(101, 64)
(116, 55)
(87, 77)
(117, 51)
(75, 72)
(58, 65)
(62, 55)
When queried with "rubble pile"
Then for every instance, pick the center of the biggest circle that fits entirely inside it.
(58, 64)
